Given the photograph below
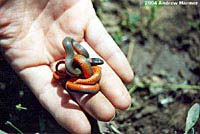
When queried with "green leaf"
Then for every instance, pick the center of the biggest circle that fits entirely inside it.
(134, 18)
(117, 36)
(192, 117)
(20, 107)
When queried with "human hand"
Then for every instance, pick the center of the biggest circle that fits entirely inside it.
(31, 34)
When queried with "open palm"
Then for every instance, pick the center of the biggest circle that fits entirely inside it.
(31, 34)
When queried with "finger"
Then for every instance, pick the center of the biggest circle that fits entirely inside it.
(97, 105)
(103, 44)
(67, 112)
(111, 85)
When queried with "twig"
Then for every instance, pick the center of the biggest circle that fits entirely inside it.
(176, 86)
(167, 86)
(132, 89)
(130, 51)
(13, 126)
(114, 129)
(134, 108)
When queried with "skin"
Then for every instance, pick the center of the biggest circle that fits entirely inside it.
(31, 34)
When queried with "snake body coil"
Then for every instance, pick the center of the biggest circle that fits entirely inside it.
(84, 71)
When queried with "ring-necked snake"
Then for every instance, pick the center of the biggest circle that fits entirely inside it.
(84, 71)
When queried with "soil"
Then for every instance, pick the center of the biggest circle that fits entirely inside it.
(166, 42)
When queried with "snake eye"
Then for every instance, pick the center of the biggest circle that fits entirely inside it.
(96, 61)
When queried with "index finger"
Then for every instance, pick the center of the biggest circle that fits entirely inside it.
(99, 39)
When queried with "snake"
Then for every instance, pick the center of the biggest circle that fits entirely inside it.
(89, 85)
(70, 45)
(84, 71)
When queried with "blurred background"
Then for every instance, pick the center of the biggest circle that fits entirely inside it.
(162, 44)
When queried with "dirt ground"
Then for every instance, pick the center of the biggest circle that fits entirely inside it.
(162, 44)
